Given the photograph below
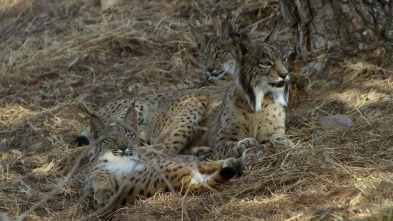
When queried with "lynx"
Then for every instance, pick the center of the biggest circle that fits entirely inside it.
(120, 171)
(252, 109)
(229, 119)
(217, 56)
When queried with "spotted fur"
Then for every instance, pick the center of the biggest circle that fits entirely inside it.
(118, 165)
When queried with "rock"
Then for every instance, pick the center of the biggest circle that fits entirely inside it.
(83, 96)
(16, 152)
(316, 138)
(23, 140)
(4, 217)
(338, 122)
(316, 67)
(372, 96)
(107, 4)
(37, 98)
(251, 156)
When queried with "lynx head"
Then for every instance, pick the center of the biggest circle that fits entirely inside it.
(118, 136)
(217, 54)
(263, 70)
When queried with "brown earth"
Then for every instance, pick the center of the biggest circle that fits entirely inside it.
(56, 55)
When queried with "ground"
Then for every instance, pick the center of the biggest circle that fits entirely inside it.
(59, 55)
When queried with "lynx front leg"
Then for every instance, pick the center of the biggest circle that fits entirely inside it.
(226, 149)
(233, 136)
(103, 187)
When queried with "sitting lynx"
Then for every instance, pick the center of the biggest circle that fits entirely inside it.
(253, 109)
(118, 166)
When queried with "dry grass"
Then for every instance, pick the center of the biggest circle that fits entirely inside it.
(57, 54)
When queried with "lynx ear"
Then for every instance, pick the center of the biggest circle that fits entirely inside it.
(96, 125)
(200, 38)
(131, 117)
(244, 45)
(273, 36)
(226, 28)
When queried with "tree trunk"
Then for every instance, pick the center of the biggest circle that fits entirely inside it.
(338, 28)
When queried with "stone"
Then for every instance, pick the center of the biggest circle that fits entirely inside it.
(316, 138)
(251, 156)
(16, 152)
(338, 122)
(372, 96)
(107, 4)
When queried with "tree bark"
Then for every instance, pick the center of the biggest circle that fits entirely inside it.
(338, 28)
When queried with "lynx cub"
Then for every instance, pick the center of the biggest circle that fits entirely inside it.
(118, 165)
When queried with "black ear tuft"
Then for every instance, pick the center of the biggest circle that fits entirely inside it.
(273, 36)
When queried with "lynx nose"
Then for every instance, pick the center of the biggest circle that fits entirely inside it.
(210, 70)
(283, 75)
(123, 148)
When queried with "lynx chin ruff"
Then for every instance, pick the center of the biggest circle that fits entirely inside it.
(119, 171)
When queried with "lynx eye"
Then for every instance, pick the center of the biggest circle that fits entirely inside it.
(285, 59)
(131, 136)
(219, 54)
(265, 64)
(203, 57)
(110, 139)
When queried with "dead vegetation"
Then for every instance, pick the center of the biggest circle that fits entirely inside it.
(56, 55)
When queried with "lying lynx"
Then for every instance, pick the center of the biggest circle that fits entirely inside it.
(118, 166)
(217, 56)
(231, 119)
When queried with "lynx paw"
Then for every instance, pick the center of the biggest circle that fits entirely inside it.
(103, 195)
(103, 186)
(243, 145)
(281, 141)
(203, 153)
